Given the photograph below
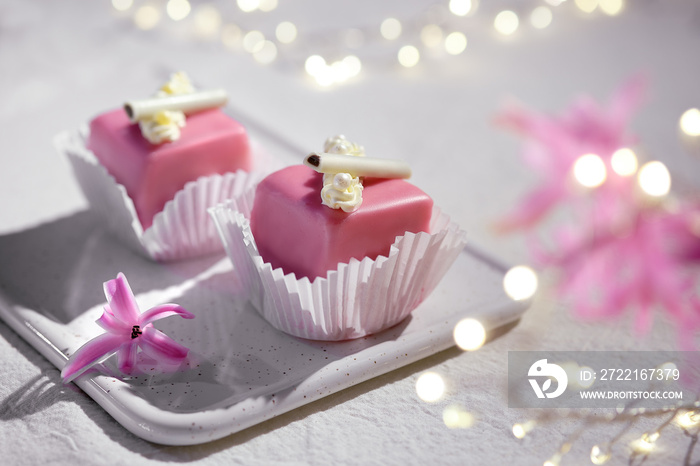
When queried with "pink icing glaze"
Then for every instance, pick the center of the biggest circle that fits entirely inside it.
(293, 230)
(210, 143)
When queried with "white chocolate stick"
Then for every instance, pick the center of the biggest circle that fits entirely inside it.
(357, 166)
(186, 103)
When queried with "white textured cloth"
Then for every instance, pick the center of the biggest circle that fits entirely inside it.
(64, 62)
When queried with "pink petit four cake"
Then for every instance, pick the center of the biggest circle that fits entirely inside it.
(210, 143)
(339, 247)
(155, 158)
(317, 238)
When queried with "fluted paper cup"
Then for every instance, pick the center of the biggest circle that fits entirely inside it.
(356, 299)
(183, 229)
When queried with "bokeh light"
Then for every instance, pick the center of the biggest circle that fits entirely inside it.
(624, 162)
(455, 417)
(506, 22)
(520, 283)
(267, 5)
(520, 429)
(253, 41)
(587, 6)
(147, 17)
(611, 7)
(582, 382)
(314, 64)
(178, 9)
(690, 122)
(336, 72)
(687, 419)
(431, 35)
(339, 71)
(122, 5)
(460, 7)
(248, 5)
(430, 387)
(646, 443)
(265, 53)
(541, 17)
(207, 20)
(654, 179)
(353, 65)
(408, 56)
(469, 334)
(231, 36)
(455, 43)
(390, 28)
(600, 455)
(286, 32)
(590, 171)
(324, 77)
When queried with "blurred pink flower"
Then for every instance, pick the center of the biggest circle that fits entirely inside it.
(554, 143)
(127, 331)
(637, 266)
(620, 252)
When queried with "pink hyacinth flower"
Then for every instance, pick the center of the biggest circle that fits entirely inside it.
(554, 143)
(127, 330)
(643, 267)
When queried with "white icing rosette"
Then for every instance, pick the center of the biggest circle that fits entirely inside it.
(356, 299)
(183, 229)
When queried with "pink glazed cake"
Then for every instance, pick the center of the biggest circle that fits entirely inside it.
(295, 231)
(210, 143)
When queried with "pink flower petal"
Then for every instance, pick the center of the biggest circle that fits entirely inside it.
(121, 300)
(161, 347)
(90, 353)
(110, 323)
(126, 356)
(164, 310)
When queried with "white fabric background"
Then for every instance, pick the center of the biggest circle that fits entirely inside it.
(63, 62)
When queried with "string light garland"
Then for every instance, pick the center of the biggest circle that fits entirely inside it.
(686, 417)
(438, 33)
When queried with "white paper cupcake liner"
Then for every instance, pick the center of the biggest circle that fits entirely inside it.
(183, 229)
(358, 298)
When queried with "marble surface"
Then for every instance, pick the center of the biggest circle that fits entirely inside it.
(63, 62)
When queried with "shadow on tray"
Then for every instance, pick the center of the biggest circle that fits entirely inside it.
(58, 268)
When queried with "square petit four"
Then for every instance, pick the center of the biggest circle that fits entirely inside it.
(155, 158)
(294, 230)
(210, 143)
(152, 169)
(340, 247)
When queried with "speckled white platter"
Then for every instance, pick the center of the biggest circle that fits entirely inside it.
(243, 371)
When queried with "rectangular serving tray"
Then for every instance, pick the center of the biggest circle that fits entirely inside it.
(241, 370)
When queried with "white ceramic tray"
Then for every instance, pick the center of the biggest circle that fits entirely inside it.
(242, 370)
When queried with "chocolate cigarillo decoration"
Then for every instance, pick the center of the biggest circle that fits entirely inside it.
(138, 110)
(357, 166)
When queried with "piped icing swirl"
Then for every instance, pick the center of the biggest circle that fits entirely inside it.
(164, 126)
(179, 83)
(340, 145)
(342, 190)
